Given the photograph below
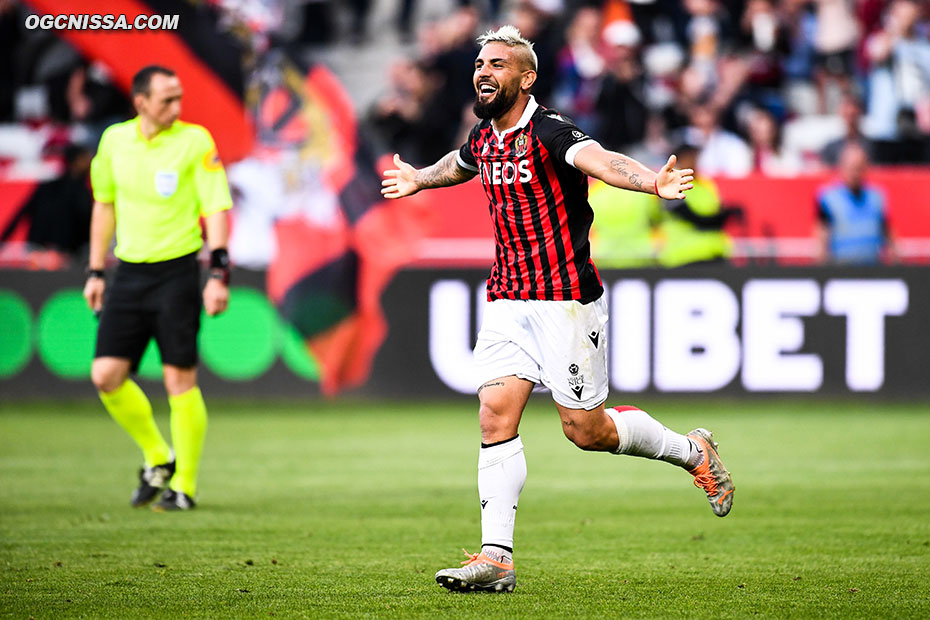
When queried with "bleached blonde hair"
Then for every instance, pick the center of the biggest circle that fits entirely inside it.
(511, 37)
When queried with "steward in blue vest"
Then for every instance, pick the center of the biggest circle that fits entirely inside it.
(853, 213)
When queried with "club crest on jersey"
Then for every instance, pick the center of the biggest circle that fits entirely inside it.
(519, 147)
(166, 182)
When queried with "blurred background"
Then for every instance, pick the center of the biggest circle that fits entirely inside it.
(796, 265)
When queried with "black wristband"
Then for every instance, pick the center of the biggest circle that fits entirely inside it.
(94, 273)
(219, 259)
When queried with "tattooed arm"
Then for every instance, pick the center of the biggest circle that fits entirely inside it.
(406, 180)
(627, 173)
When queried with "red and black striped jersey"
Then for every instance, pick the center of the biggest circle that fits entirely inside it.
(539, 206)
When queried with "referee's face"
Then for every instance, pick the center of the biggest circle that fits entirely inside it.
(162, 105)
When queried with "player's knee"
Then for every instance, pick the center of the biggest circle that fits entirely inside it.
(106, 378)
(496, 424)
(579, 437)
(179, 381)
(586, 437)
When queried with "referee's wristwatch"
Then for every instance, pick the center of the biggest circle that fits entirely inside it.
(94, 273)
(219, 265)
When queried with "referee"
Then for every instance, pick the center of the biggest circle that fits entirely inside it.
(153, 178)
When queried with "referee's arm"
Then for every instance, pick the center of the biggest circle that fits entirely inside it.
(102, 226)
(216, 291)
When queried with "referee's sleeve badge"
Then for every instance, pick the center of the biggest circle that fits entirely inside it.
(211, 161)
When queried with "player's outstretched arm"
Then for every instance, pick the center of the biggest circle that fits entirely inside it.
(627, 173)
(406, 180)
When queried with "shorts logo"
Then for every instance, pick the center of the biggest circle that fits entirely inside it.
(520, 145)
(576, 381)
(166, 182)
(594, 337)
(577, 135)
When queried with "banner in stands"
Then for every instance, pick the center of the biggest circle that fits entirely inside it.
(700, 331)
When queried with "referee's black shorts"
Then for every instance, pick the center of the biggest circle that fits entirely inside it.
(144, 300)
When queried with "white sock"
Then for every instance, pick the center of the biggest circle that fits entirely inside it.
(501, 475)
(642, 435)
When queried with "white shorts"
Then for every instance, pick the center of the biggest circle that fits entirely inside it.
(561, 344)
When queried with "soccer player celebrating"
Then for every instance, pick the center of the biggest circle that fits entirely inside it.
(546, 320)
(153, 178)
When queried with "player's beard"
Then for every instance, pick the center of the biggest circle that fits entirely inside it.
(495, 108)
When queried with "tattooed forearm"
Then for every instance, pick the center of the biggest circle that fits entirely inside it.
(490, 384)
(619, 166)
(443, 173)
(627, 173)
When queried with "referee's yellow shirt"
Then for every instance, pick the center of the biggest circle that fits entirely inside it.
(159, 188)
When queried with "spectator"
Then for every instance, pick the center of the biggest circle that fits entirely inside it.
(59, 210)
(536, 20)
(899, 82)
(769, 156)
(850, 110)
(624, 228)
(835, 42)
(452, 62)
(763, 38)
(621, 103)
(721, 152)
(853, 224)
(405, 120)
(708, 36)
(798, 63)
(692, 229)
(579, 69)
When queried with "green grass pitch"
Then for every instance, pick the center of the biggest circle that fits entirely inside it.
(345, 510)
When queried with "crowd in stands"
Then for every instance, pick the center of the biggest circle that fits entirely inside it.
(770, 86)
(777, 87)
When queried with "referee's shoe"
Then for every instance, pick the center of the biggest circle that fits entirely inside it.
(152, 480)
(173, 500)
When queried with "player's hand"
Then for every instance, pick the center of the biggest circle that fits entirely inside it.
(93, 293)
(401, 181)
(672, 184)
(215, 296)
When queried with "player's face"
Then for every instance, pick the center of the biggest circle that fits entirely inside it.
(162, 105)
(499, 72)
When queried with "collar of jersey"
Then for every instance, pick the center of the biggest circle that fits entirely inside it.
(531, 106)
(138, 123)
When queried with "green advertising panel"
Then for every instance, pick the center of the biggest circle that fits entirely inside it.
(240, 345)
(16, 334)
(67, 331)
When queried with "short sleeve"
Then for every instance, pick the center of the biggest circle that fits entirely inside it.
(101, 172)
(465, 157)
(210, 178)
(562, 138)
